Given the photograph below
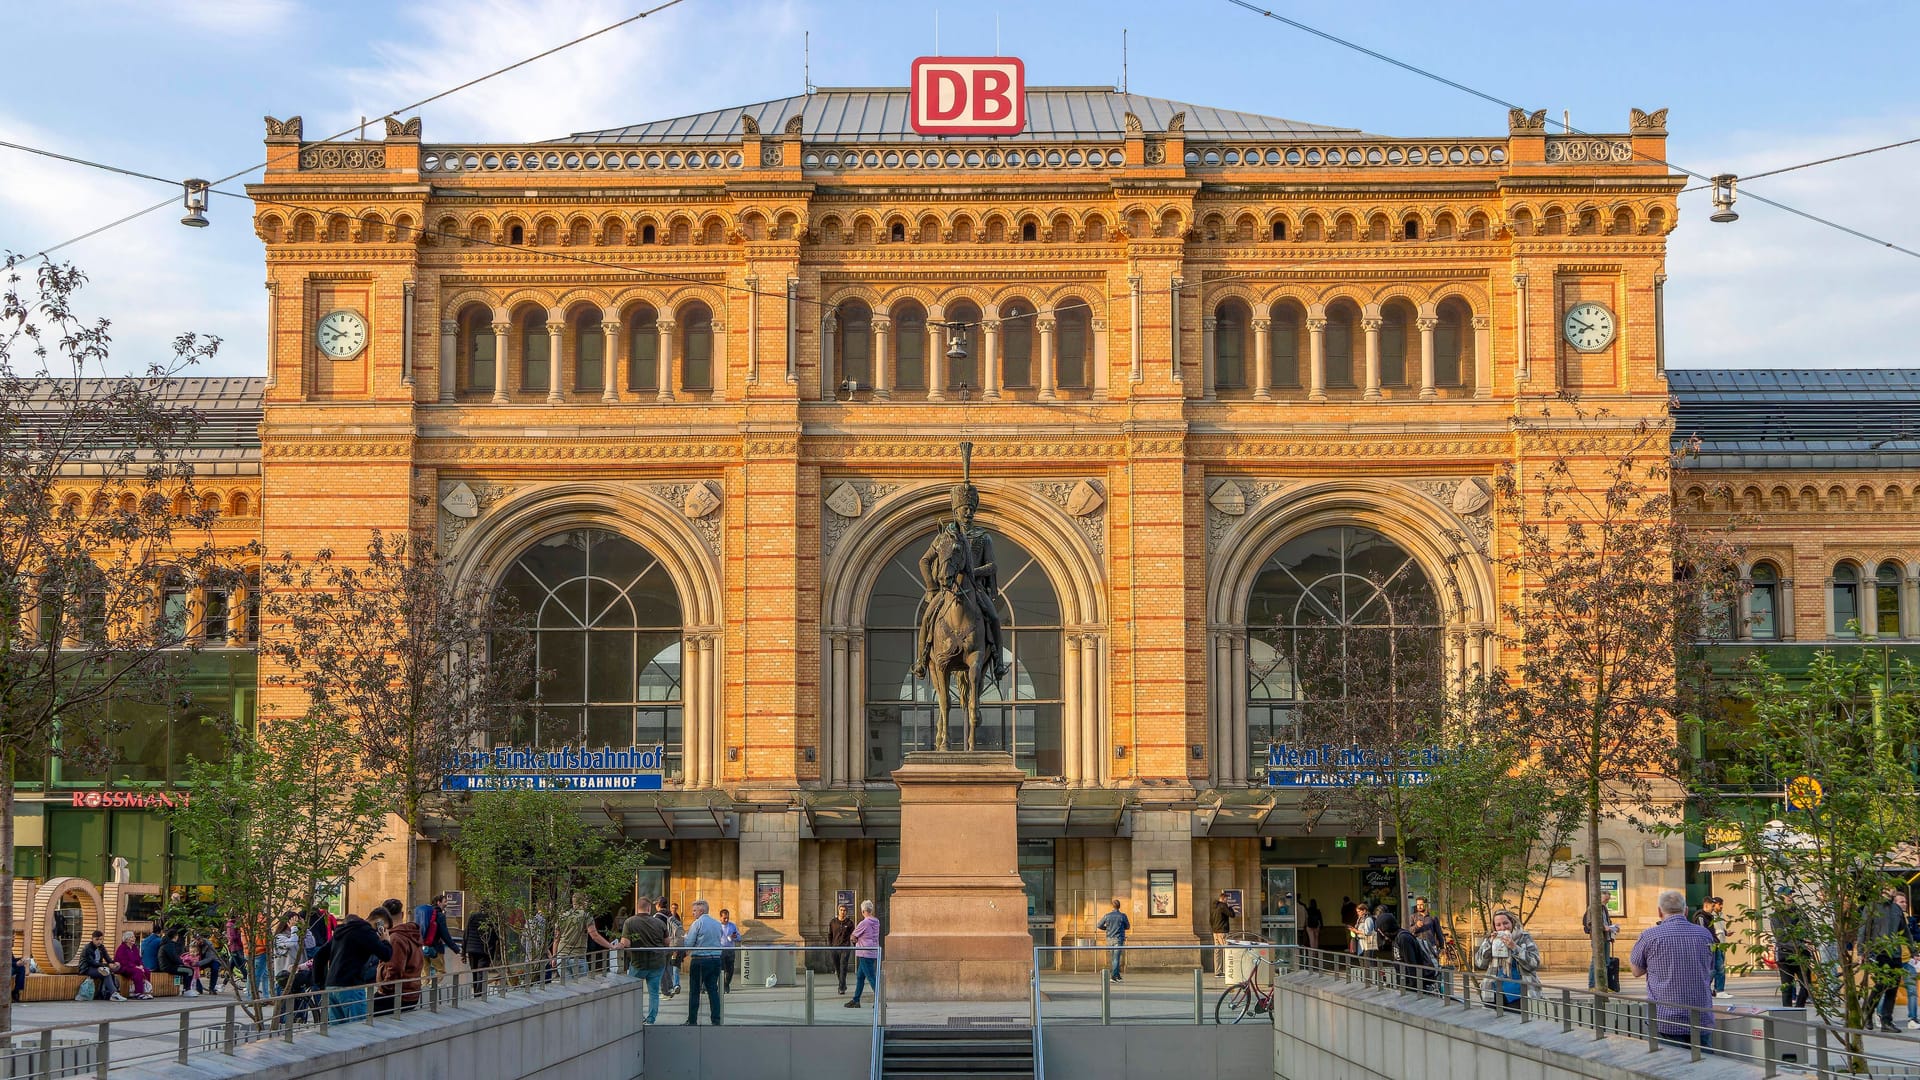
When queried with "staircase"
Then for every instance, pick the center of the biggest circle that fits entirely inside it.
(957, 1053)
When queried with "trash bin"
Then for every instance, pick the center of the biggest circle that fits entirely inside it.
(778, 962)
(1743, 1035)
(1241, 960)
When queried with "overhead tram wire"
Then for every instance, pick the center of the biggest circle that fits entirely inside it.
(1810, 164)
(1569, 128)
(275, 159)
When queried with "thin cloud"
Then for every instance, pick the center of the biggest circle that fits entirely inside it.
(227, 18)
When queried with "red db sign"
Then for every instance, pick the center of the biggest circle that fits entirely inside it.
(968, 95)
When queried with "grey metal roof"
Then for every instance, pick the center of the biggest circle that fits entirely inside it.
(879, 114)
(229, 409)
(1793, 418)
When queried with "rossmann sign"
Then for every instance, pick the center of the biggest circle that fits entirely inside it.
(968, 95)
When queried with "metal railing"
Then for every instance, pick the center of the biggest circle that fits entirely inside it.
(96, 1046)
(1771, 1038)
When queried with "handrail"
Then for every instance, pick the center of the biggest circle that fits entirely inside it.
(876, 1057)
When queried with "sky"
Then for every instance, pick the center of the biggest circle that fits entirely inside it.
(178, 89)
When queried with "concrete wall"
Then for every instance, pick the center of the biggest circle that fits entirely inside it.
(1157, 1051)
(677, 1052)
(1326, 1029)
(588, 1030)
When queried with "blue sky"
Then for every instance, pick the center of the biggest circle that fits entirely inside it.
(177, 88)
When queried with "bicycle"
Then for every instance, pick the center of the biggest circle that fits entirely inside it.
(1246, 997)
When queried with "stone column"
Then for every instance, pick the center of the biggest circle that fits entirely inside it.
(834, 715)
(1743, 604)
(719, 361)
(1427, 326)
(1482, 356)
(1138, 372)
(1785, 615)
(1263, 359)
(829, 326)
(882, 362)
(1236, 711)
(449, 358)
(500, 365)
(990, 359)
(693, 739)
(1049, 374)
(1097, 377)
(1070, 713)
(610, 361)
(665, 352)
(1372, 328)
(1316, 359)
(556, 371)
(1093, 692)
(1209, 356)
(1909, 615)
(936, 359)
(713, 701)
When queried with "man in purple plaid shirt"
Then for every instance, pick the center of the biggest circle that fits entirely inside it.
(1676, 956)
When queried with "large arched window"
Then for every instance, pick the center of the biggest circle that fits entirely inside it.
(1073, 329)
(1343, 326)
(1886, 600)
(1284, 340)
(909, 339)
(1231, 325)
(854, 344)
(606, 621)
(1016, 344)
(1396, 333)
(643, 349)
(535, 362)
(589, 350)
(1453, 357)
(1343, 631)
(477, 344)
(1021, 713)
(696, 347)
(964, 372)
(1846, 601)
(1763, 602)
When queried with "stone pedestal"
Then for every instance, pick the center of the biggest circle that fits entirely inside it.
(959, 909)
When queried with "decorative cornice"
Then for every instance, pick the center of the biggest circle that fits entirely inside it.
(284, 447)
(541, 452)
(1241, 447)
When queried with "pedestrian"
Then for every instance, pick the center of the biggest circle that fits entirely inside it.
(341, 966)
(399, 976)
(1910, 971)
(730, 942)
(19, 976)
(702, 941)
(481, 947)
(669, 916)
(236, 953)
(1882, 934)
(840, 940)
(1419, 965)
(1612, 932)
(172, 959)
(1116, 924)
(127, 959)
(1348, 914)
(1220, 921)
(96, 963)
(1792, 951)
(1510, 960)
(645, 940)
(1315, 921)
(205, 960)
(866, 948)
(570, 937)
(150, 950)
(1426, 926)
(1711, 915)
(436, 937)
(1676, 956)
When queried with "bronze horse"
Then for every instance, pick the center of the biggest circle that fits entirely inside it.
(959, 640)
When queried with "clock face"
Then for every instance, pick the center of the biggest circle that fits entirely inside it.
(1589, 327)
(341, 334)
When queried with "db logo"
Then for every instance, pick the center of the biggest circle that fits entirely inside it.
(968, 95)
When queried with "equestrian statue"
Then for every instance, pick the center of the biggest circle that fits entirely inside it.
(959, 618)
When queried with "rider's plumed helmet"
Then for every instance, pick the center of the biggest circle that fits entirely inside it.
(964, 493)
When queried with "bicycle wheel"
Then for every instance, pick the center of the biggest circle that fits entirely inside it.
(1235, 1004)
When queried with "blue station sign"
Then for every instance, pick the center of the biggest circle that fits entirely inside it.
(566, 768)
(1329, 766)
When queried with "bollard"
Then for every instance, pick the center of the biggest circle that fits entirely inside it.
(1602, 1016)
(1768, 1056)
(46, 1054)
(1820, 1058)
(324, 1000)
(1693, 1031)
(1106, 1000)
(719, 1006)
(809, 1013)
(100, 1062)
(1199, 992)
(1566, 1011)
(227, 1033)
(1653, 1030)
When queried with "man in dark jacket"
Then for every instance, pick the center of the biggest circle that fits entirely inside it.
(402, 970)
(172, 960)
(1792, 949)
(840, 938)
(481, 947)
(645, 939)
(344, 959)
(1220, 922)
(1881, 935)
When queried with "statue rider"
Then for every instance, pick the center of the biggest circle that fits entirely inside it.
(980, 579)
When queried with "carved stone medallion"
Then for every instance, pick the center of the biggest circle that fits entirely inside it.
(1085, 499)
(1090, 518)
(700, 500)
(859, 495)
(1229, 498)
(461, 502)
(1472, 496)
(1229, 501)
(844, 500)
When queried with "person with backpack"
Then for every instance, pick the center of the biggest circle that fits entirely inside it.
(1419, 967)
(670, 921)
(481, 947)
(436, 936)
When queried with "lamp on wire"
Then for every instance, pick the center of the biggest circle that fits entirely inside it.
(1380, 831)
(956, 341)
(196, 203)
(1723, 196)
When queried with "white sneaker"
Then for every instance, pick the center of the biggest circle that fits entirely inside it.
(189, 992)
(1913, 1025)
(1723, 994)
(118, 997)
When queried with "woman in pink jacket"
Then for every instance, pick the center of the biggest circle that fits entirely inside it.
(866, 953)
(127, 956)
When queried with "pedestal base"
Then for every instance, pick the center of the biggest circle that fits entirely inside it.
(959, 908)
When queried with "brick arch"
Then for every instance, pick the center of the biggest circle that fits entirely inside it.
(1092, 294)
(866, 294)
(453, 304)
(974, 293)
(920, 294)
(715, 301)
(1474, 296)
(519, 298)
(574, 297)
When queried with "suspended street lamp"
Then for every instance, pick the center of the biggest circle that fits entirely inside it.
(196, 203)
(1723, 196)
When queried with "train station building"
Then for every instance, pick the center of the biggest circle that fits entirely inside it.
(693, 390)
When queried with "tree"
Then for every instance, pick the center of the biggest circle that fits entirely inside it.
(1852, 727)
(1609, 599)
(415, 665)
(279, 823)
(527, 847)
(1487, 820)
(99, 525)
